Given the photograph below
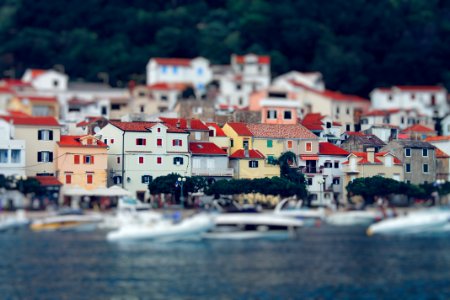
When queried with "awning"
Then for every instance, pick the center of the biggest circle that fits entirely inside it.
(309, 157)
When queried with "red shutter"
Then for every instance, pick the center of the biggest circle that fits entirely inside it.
(173, 142)
(159, 160)
(112, 141)
(89, 178)
(92, 159)
(159, 142)
(181, 142)
(68, 178)
(144, 142)
(141, 160)
(76, 159)
(137, 141)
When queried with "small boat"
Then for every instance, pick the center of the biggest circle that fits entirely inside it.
(294, 209)
(354, 218)
(129, 211)
(424, 221)
(67, 220)
(253, 225)
(16, 221)
(164, 229)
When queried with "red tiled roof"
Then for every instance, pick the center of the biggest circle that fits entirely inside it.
(251, 154)
(337, 124)
(75, 141)
(39, 99)
(168, 86)
(48, 180)
(31, 120)
(173, 61)
(417, 128)
(195, 124)
(326, 148)
(240, 128)
(206, 148)
(15, 82)
(441, 154)
(36, 72)
(294, 131)
(438, 138)
(313, 121)
(133, 126)
(219, 131)
(264, 59)
(16, 113)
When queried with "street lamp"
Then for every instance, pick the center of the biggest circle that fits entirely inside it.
(181, 182)
(320, 181)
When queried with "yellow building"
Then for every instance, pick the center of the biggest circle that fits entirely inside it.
(82, 162)
(35, 106)
(368, 164)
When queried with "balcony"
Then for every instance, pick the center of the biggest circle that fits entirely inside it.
(350, 169)
(311, 170)
(228, 172)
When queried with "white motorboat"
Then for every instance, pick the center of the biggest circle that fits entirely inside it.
(130, 211)
(253, 225)
(10, 222)
(294, 209)
(67, 220)
(424, 221)
(354, 218)
(161, 228)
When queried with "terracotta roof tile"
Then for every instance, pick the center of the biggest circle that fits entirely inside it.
(417, 128)
(205, 148)
(219, 131)
(438, 138)
(313, 121)
(143, 126)
(173, 61)
(326, 148)
(441, 154)
(195, 124)
(251, 154)
(31, 120)
(240, 128)
(75, 141)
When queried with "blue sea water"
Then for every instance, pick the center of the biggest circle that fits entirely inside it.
(323, 263)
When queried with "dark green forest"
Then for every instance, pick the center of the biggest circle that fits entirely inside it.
(356, 44)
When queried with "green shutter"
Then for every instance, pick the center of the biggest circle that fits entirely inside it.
(269, 143)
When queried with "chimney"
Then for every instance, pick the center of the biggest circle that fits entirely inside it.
(371, 154)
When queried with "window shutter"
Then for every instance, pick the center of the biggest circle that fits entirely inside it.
(137, 141)
(76, 159)
(39, 135)
(50, 156)
(92, 159)
(50, 135)
(173, 142)
(143, 178)
(181, 142)
(39, 157)
(159, 160)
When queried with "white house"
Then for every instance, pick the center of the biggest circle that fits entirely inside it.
(46, 80)
(429, 100)
(78, 109)
(248, 73)
(140, 151)
(313, 80)
(12, 151)
(196, 71)
(400, 117)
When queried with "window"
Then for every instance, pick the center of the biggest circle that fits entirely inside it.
(287, 115)
(177, 143)
(159, 160)
(388, 161)
(408, 168)
(211, 132)
(425, 168)
(105, 141)
(289, 144)
(245, 144)
(146, 179)
(3, 156)
(164, 69)
(45, 135)
(159, 129)
(336, 180)
(433, 100)
(115, 106)
(390, 98)
(269, 143)
(308, 147)
(141, 142)
(164, 98)
(347, 111)
(337, 110)
(142, 108)
(347, 127)
(89, 178)
(177, 160)
(336, 164)
(253, 164)
(76, 159)
(408, 152)
(328, 165)
(141, 160)
(45, 156)
(112, 141)
(238, 87)
(198, 136)
(68, 178)
(117, 179)
(175, 69)
(55, 83)
(425, 152)
(118, 159)
(309, 180)
(402, 120)
(413, 96)
(241, 101)
(328, 125)
(271, 114)
(88, 159)
(15, 156)
(159, 142)
(199, 71)
(231, 143)
(104, 110)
